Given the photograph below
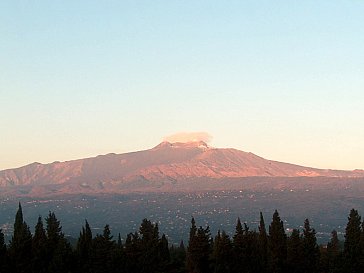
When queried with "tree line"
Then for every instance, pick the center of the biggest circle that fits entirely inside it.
(145, 251)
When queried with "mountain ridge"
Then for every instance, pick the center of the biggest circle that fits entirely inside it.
(166, 163)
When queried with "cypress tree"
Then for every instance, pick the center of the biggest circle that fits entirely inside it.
(39, 248)
(58, 248)
(164, 254)
(333, 253)
(352, 242)
(239, 247)
(198, 250)
(310, 249)
(133, 253)
(3, 253)
(118, 256)
(119, 243)
(103, 248)
(294, 252)
(178, 258)
(149, 243)
(84, 248)
(20, 249)
(223, 253)
(361, 249)
(263, 244)
(277, 245)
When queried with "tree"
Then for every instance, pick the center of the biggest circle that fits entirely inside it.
(58, 248)
(178, 258)
(333, 253)
(294, 252)
(239, 248)
(310, 249)
(3, 253)
(39, 248)
(103, 248)
(198, 250)
(20, 249)
(84, 248)
(277, 245)
(133, 253)
(149, 246)
(164, 255)
(223, 253)
(352, 242)
(263, 243)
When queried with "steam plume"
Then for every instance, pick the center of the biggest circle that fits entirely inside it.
(185, 137)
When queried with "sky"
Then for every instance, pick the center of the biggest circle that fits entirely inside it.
(281, 79)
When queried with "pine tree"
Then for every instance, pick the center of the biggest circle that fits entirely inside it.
(178, 258)
(103, 248)
(361, 249)
(164, 254)
(239, 248)
(118, 256)
(223, 253)
(150, 246)
(198, 250)
(352, 242)
(333, 253)
(310, 249)
(133, 253)
(294, 252)
(58, 248)
(119, 243)
(277, 245)
(263, 244)
(39, 248)
(3, 253)
(84, 248)
(20, 249)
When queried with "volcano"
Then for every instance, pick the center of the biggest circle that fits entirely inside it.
(166, 167)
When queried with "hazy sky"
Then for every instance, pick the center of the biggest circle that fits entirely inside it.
(282, 79)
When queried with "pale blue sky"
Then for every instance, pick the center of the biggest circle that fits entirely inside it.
(282, 79)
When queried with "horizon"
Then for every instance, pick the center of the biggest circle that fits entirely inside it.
(165, 140)
(281, 80)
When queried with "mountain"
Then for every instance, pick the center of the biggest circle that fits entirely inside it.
(166, 167)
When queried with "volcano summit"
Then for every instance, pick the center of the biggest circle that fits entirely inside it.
(166, 167)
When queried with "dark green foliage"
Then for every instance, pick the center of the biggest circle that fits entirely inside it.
(310, 249)
(39, 248)
(294, 252)
(332, 256)
(238, 251)
(103, 248)
(145, 251)
(277, 245)
(223, 253)
(84, 248)
(20, 249)
(352, 242)
(178, 258)
(263, 244)
(149, 246)
(164, 255)
(58, 248)
(133, 253)
(3, 253)
(198, 250)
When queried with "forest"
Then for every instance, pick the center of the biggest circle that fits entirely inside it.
(146, 251)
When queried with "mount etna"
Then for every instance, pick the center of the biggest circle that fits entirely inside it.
(174, 181)
(168, 167)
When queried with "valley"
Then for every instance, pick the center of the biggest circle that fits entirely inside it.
(327, 210)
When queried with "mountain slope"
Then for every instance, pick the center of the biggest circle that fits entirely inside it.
(173, 162)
